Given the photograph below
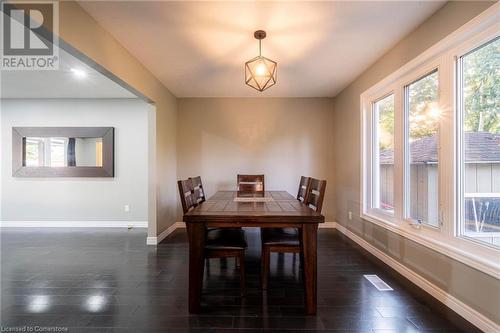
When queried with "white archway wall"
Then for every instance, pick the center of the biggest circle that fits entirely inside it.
(102, 48)
(68, 202)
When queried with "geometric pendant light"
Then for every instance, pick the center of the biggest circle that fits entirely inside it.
(260, 72)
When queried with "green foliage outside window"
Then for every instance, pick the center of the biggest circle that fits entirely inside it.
(481, 85)
(386, 122)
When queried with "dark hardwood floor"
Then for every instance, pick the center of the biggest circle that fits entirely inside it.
(108, 280)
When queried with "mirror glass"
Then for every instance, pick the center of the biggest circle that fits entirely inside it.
(62, 152)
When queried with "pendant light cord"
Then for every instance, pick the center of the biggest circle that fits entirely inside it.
(260, 47)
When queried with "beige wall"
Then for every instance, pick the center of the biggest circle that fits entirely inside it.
(83, 33)
(282, 138)
(478, 290)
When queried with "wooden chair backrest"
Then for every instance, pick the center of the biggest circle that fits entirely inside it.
(303, 188)
(316, 194)
(199, 192)
(250, 183)
(188, 197)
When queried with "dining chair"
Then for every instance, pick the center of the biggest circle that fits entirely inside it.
(198, 189)
(288, 240)
(251, 184)
(304, 184)
(199, 193)
(219, 242)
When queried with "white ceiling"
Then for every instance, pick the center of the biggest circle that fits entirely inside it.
(197, 49)
(60, 83)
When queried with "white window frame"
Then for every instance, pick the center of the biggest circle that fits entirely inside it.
(65, 149)
(469, 46)
(443, 55)
(414, 76)
(373, 174)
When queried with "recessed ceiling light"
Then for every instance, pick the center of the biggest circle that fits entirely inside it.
(81, 74)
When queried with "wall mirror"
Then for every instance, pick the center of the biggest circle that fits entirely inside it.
(63, 151)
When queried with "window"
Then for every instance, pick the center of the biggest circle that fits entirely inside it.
(479, 155)
(46, 152)
(383, 196)
(421, 167)
(34, 152)
(430, 139)
(57, 151)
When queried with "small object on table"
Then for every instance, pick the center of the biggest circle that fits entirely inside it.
(252, 199)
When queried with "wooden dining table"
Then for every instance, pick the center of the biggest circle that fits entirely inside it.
(277, 209)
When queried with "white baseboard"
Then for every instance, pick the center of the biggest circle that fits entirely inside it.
(327, 225)
(471, 315)
(74, 224)
(157, 240)
(151, 240)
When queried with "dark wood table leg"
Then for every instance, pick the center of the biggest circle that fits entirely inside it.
(309, 250)
(196, 234)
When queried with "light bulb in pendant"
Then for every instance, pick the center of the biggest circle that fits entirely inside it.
(260, 70)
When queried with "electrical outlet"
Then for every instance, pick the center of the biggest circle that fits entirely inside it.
(350, 216)
(126, 208)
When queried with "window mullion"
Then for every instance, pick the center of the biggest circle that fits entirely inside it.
(398, 152)
(375, 158)
(446, 149)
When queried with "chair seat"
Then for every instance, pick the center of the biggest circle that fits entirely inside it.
(280, 236)
(226, 238)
